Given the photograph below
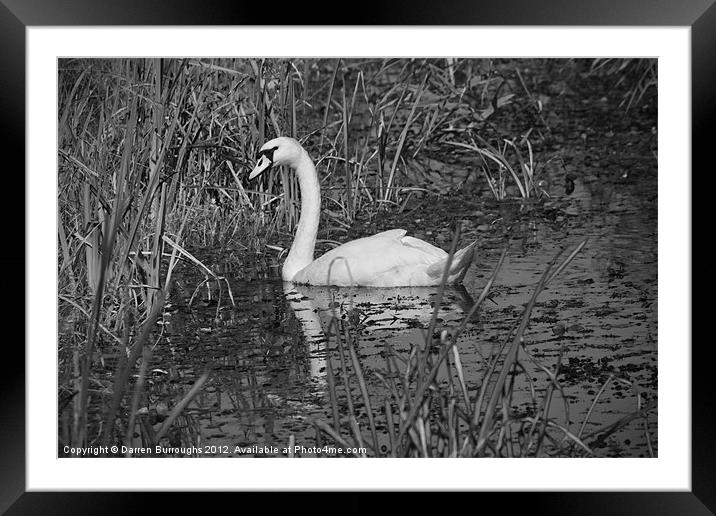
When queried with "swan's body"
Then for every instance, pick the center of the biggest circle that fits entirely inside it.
(388, 259)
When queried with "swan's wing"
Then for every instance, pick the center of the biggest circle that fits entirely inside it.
(391, 233)
(386, 254)
(400, 235)
(422, 246)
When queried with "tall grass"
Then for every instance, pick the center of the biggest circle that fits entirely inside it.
(638, 76)
(429, 409)
(117, 125)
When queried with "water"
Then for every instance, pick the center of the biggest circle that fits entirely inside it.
(268, 353)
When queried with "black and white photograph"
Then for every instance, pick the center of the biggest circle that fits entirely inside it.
(429, 234)
(357, 257)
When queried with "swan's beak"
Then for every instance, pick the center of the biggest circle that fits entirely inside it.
(262, 165)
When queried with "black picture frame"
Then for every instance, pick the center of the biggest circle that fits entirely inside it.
(17, 15)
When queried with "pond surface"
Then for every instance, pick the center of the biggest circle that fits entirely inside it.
(268, 352)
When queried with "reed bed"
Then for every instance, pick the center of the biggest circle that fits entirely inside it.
(152, 159)
(431, 410)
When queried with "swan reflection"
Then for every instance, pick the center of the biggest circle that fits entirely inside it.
(368, 310)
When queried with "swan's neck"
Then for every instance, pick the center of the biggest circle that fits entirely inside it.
(304, 243)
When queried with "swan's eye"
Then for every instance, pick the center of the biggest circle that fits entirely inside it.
(268, 153)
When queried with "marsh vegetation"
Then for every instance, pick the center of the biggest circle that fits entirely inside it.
(176, 329)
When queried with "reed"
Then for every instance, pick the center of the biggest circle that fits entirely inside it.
(119, 120)
(152, 161)
(638, 76)
(427, 417)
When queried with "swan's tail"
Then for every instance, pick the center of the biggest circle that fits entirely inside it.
(460, 263)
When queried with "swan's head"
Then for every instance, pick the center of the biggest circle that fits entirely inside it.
(279, 151)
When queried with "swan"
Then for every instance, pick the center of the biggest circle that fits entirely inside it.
(387, 259)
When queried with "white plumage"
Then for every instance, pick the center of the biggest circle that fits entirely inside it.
(387, 259)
